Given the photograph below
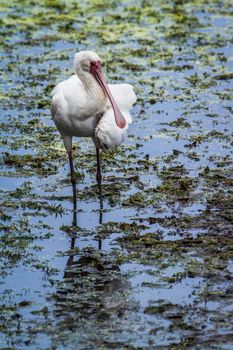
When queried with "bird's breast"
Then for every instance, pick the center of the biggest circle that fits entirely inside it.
(72, 126)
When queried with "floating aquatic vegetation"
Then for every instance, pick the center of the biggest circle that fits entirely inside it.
(154, 269)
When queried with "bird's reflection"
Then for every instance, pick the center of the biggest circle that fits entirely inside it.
(92, 285)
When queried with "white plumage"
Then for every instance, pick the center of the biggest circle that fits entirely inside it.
(107, 134)
(86, 106)
(76, 115)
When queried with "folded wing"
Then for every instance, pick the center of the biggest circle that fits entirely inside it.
(107, 134)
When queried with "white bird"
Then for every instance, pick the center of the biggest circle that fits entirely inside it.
(86, 106)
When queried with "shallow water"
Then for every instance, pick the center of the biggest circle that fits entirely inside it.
(157, 272)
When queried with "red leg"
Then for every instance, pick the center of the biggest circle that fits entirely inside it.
(99, 177)
(73, 179)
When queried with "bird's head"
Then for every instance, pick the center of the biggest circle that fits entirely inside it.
(84, 59)
(90, 62)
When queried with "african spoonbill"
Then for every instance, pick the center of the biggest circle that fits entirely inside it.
(86, 106)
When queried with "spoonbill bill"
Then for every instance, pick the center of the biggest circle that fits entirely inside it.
(86, 106)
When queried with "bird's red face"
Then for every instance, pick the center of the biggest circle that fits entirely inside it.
(96, 71)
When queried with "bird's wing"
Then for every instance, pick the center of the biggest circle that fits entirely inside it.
(68, 96)
(107, 134)
(124, 96)
(68, 85)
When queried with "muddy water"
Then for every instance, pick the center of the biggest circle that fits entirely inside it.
(155, 271)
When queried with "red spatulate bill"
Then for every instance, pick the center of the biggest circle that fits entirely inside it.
(96, 70)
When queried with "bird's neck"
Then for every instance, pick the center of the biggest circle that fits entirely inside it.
(90, 84)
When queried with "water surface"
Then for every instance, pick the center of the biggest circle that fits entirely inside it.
(155, 272)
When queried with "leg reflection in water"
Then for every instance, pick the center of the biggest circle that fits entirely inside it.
(93, 285)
